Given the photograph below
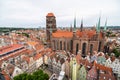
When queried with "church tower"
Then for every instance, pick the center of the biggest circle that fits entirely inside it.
(50, 25)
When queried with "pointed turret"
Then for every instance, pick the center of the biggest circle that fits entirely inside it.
(81, 27)
(98, 25)
(105, 27)
(75, 23)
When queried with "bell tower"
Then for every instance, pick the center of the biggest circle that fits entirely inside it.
(50, 26)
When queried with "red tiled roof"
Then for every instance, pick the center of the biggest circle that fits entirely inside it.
(13, 55)
(86, 63)
(106, 77)
(38, 47)
(92, 74)
(33, 43)
(103, 68)
(26, 58)
(37, 56)
(6, 49)
(59, 34)
(89, 33)
(50, 14)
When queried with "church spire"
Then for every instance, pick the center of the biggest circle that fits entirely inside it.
(81, 27)
(105, 27)
(98, 25)
(75, 22)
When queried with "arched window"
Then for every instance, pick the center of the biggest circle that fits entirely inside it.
(99, 48)
(60, 45)
(71, 44)
(57, 45)
(68, 47)
(77, 48)
(91, 48)
(84, 49)
(64, 46)
(54, 44)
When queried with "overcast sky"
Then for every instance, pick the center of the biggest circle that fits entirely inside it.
(32, 13)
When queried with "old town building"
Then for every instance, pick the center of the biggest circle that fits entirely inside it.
(86, 40)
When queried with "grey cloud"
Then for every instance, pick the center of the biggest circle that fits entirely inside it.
(29, 13)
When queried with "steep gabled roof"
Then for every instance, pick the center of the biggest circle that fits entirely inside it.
(37, 56)
(89, 33)
(92, 74)
(59, 34)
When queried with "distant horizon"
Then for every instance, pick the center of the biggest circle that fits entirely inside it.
(57, 27)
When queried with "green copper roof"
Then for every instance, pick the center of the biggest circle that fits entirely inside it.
(105, 27)
(98, 25)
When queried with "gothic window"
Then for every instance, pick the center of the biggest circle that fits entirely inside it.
(77, 48)
(91, 48)
(71, 44)
(99, 48)
(64, 46)
(84, 49)
(68, 46)
(60, 45)
(57, 45)
(54, 44)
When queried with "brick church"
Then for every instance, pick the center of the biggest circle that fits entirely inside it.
(73, 40)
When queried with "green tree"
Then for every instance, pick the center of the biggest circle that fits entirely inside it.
(108, 34)
(116, 52)
(25, 34)
(46, 77)
(37, 75)
(21, 77)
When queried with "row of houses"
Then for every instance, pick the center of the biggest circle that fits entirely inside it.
(96, 67)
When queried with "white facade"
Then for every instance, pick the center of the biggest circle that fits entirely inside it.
(115, 66)
(17, 71)
(39, 62)
(108, 62)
